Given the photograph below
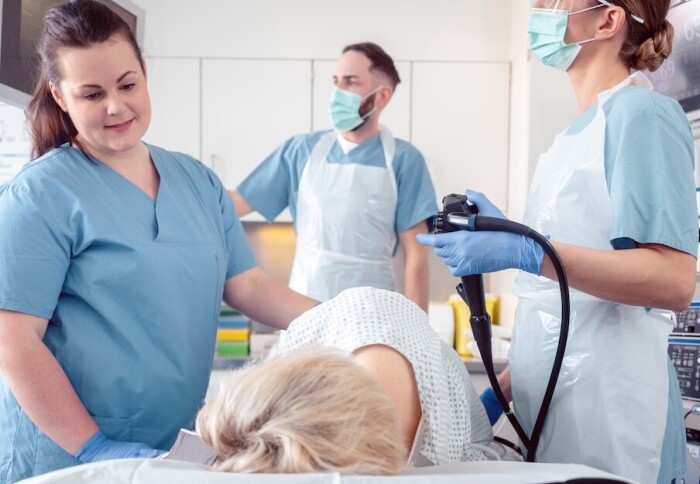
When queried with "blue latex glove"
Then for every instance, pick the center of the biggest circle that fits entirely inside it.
(467, 253)
(100, 447)
(490, 402)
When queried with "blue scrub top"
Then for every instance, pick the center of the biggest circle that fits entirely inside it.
(131, 287)
(274, 184)
(649, 169)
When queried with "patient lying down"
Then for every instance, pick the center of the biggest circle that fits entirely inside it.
(360, 384)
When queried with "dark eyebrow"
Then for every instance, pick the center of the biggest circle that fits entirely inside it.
(120, 79)
(124, 75)
(346, 78)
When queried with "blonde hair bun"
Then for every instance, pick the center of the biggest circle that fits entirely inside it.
(311, 410)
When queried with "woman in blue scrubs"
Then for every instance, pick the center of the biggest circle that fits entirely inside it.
(615, 193)
(114, 258)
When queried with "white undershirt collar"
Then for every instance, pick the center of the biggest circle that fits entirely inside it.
(345, 145)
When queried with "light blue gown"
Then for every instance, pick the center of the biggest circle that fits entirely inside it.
(131, 287)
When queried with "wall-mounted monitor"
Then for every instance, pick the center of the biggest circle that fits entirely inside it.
(20, 27)
(679, 76)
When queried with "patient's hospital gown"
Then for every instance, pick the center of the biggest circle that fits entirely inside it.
(453, 415)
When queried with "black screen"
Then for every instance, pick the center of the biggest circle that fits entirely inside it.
(22, 22)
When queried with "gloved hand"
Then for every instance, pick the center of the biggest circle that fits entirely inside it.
(490, 402)
(100, 447)
(467, 253)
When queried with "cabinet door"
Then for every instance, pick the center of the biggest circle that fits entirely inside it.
(249, 108)
(174, 88)
(396, 116)
(460, 123)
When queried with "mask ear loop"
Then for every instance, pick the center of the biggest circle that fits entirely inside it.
(634, 17)
(587, 9)
(374, 107)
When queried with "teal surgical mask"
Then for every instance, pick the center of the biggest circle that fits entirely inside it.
(547, 28)
(344, 109)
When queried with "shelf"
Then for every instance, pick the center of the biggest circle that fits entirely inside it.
(230, 363)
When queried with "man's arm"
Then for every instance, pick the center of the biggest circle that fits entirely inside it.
(242, 207)
(416, 272)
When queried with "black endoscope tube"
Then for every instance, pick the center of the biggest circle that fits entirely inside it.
(481, 223)
(472, 291)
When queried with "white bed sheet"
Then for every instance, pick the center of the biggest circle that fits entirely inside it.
(150, 471)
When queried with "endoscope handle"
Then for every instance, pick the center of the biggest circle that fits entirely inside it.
(472, 291)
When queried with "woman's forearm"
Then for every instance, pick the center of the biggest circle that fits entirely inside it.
(264, 299)
(651, 275)
(41, 387)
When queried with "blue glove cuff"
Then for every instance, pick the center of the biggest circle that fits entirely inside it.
(89, 447)
(490, 402)
(533, 264)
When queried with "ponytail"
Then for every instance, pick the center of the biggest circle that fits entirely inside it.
(48, 124)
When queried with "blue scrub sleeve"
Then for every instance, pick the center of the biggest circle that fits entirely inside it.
(240, 255)
(34, 254)
(266, 189)
(649, 157)
(416, 196)
(274, 184)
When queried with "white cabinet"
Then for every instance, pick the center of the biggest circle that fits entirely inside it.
(249, 108)
(460, 122)
(232, 113)
(175, 90)
(396, 116)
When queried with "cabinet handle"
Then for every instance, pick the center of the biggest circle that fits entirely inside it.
(212, 162)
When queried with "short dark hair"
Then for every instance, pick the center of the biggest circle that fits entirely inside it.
(380, 60)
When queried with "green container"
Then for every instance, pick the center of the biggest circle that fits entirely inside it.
(232, 349)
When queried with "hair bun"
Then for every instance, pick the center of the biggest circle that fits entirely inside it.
(655, 50)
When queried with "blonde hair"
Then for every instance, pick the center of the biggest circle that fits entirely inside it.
(648, 44)
(311, 410)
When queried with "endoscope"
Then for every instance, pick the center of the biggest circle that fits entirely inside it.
(460, 214)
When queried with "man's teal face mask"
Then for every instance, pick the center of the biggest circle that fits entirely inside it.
(547, 29)
(344, 109)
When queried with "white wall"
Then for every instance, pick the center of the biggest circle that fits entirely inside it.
(445, 30)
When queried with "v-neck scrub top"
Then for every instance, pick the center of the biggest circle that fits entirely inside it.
(131, 287)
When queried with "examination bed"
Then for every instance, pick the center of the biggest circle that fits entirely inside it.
(149, 471)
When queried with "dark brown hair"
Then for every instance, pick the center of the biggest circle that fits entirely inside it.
(648, 44)
(380, 60)
(79, 23)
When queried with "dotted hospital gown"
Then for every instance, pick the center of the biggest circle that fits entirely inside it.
(452, 412)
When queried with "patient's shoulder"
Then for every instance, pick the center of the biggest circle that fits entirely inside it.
(396, 377)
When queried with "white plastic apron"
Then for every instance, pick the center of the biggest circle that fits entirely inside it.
(344, 223)
(610, 405)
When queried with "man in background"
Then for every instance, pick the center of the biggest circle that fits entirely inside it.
(354, 192)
